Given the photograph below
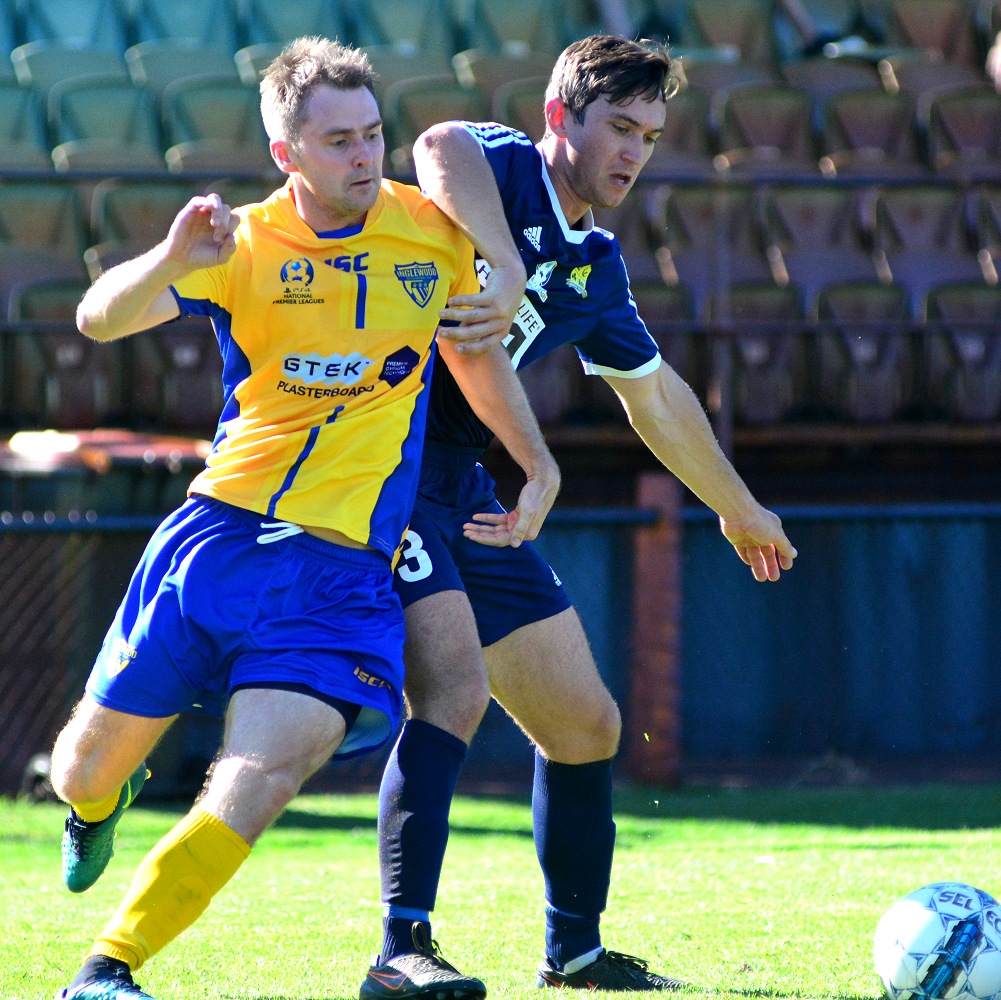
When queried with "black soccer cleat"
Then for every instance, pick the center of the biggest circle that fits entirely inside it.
(611, 971)
(420, 973)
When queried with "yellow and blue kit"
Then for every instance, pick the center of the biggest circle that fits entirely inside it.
(327, 341)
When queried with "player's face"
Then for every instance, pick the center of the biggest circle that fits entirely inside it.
(338, 158)
(606, 152)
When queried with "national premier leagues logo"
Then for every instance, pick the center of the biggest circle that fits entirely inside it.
(418, 280)
(297, 272)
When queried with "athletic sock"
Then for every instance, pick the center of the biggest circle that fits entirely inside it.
(414, 801)
(99, 967)
(398, 935)
(574, 840)
(94, 812)
(172, 887)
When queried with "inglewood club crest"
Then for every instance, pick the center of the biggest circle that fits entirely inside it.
(419, 280)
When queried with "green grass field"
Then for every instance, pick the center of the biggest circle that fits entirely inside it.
(761, 893)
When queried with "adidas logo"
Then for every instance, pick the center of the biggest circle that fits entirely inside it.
(534, 236)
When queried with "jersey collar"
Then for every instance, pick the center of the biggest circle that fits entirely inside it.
(570, 234)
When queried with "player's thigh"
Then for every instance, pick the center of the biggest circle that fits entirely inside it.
(545, 676)
(446, 676)
(99, 748)
(273, 741)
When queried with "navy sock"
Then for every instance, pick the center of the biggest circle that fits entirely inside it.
(100, 967)
(398, 936)
(574, 839)
(414, 801)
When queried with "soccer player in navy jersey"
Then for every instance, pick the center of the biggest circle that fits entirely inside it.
(269, 592)
(487, 617)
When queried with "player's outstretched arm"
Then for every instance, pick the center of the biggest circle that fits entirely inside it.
(134, 295)
(668, 417)
(455, 175)
(493, 390)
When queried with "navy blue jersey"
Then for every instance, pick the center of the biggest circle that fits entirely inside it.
(577, 292)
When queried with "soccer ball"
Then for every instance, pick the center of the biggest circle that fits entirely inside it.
(942, 942)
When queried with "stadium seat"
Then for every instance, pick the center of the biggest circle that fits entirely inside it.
(769, 352)
(744, 26)
(718, 77)
(923, 77)
(864, 364)
(223, 158)
(944, 27)
(767, 130)
(553, 385)
(64, 381)
(669, 315)
(822, 78)
(486, 71)
(217, 108)
(42, 235)
(412, 106)
(252, 60)
(245, 192)
(174, 378)
(155, 63)
(42, 225)
(710, 239)
(23, 142)
(986, 220)
(261, 22)
(51, 300)
(636, 222)
(521, 104)
(39, 65)
(964, 134)
(392, 66)
(636, 19)
(411, 27)
(96, 24)
(870, 134)
(815, 238)
(136, 215)
(922, 233)
(962, 352)
(516, 27)
(210, 23)
(110, 113)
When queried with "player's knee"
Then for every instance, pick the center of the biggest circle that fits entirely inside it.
(591, 733)
(608, 729)
(453, 697)
(78, 780)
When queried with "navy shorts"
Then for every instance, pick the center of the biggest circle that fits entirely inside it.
(507, 588)
(223, 597)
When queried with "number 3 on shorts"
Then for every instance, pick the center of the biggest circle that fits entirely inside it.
(415, 563)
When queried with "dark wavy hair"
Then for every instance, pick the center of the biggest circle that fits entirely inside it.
(613, 66)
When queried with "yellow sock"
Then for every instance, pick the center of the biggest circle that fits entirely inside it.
(94, 812)
(173, 885)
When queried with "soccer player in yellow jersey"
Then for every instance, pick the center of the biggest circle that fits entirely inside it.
(270, 588)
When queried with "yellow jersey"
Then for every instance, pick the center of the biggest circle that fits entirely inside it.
(327, 341)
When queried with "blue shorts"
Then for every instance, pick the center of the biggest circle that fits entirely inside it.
(507, 588)
(217, 601)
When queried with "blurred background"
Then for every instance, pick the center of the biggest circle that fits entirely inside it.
(813, 245)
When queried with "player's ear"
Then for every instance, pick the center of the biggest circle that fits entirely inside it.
(556, 112)
(282, 156)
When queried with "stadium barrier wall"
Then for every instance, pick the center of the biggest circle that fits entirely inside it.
(880, 647)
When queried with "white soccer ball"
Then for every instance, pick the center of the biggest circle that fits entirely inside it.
(942, 942)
